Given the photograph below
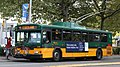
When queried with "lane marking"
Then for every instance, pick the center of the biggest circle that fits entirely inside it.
(24, 64)
(64, 65)
(89, 64)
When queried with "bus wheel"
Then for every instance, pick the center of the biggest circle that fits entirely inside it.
(32, 60)
(99, 54)
(56, 55)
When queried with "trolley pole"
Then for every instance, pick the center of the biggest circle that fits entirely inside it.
(30, 11)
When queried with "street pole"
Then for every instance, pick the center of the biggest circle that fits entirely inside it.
(5, 21)
(30, 11)
(5, 26)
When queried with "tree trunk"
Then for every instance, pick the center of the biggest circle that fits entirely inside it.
(102, 24)
(64, 9)
(65, 14)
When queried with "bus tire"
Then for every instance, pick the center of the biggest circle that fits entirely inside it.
(33, 60)
(99, 54)
(56, 55)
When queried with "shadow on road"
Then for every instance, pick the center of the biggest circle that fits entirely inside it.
(50, 60)
(110, 58)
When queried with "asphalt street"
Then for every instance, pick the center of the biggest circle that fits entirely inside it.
(111, 61)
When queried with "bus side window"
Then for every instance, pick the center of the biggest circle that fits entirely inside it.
(49, 36)
(96, 37)
(103, 37)
(91, 36)
(46, 37)
(85, 36)
(67, 35)
(76, 36)
(56, 34)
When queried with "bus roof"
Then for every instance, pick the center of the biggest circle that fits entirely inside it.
(65, 25)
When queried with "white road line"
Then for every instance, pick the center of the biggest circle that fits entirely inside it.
(89, 64)
(19, 64)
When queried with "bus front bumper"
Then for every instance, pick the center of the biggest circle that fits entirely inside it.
(28, 56)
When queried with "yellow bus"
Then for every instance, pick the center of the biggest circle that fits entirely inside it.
(60, 40)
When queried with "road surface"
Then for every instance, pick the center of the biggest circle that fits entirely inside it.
(112, 61)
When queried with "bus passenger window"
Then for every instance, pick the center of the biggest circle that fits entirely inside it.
(103, 38)
(76, 36)
(91, 36)
(67, 35)
(56, 34)
(46, 37)
(96, 38)
(85, 36)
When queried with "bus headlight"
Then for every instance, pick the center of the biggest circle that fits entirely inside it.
(17, 52)
(26, 52)
(36, 52)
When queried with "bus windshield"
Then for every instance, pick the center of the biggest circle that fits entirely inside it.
(30, 37)
(22, 36)
(34, 37)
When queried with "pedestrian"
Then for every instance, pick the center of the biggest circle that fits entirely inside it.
(8, 47)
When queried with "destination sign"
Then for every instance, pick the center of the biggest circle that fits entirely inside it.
(27, 27)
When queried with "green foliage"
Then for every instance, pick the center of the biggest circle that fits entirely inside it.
(116, 50)
(11, 8)
(1, 50)
(54, 10)
(108, 8)
(112, 23)
(91, 22)
(67, 10)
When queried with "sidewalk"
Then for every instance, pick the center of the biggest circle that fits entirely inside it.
(3, 58)
(113, 57)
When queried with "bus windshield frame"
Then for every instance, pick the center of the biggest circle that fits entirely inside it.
(28, 37)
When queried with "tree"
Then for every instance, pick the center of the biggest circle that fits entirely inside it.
(54, 10)
(11, 8)
(114, 23)
(107, 7)
(66, 10)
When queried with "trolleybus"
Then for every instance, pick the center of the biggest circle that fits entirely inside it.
(60, 40)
